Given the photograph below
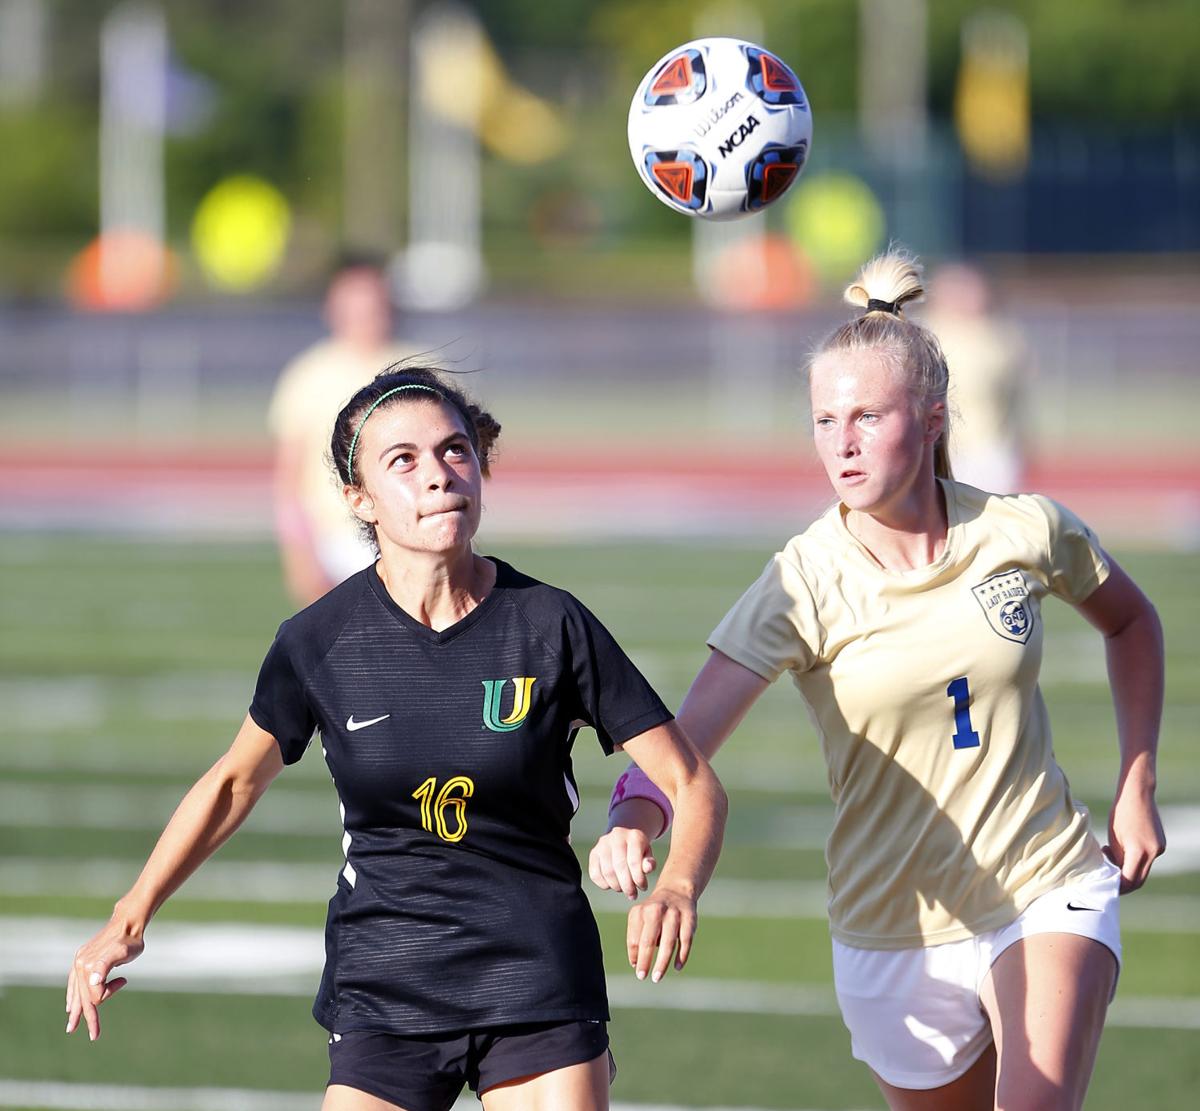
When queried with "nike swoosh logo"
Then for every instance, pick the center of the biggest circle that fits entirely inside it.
(352, 725)
(1072, 906)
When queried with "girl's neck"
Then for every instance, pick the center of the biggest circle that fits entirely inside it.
(907, 535)
(438, 589)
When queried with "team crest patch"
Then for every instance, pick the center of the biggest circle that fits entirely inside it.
(522, 699)
(1004, 599)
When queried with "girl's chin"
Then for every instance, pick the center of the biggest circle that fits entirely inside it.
(856, 495)
(450, 540)
(443, 540)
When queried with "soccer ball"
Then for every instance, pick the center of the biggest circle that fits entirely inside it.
(719, 128)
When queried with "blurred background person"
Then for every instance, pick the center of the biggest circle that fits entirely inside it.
(319, 543)
(988, 362)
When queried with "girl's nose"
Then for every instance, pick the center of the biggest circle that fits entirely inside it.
(438, 475)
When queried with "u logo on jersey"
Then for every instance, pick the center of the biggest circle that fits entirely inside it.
(1004, 599)
(522, 699)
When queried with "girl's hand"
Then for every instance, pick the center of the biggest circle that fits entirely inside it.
(622, 859)
(88, 984)
(665, 920)
(215, 806)
(1135, 834)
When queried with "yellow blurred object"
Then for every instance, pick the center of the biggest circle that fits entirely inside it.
(465, 82)
(240, 232)
(991, 102)
(837, 221)
(123, 271)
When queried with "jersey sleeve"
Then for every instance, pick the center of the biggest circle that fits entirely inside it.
(615, 698)
(1075, 563)
(774, 626)
(280, 705)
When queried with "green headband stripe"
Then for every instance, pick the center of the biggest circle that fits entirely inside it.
(375, 405)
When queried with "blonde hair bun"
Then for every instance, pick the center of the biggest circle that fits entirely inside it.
(894, 278)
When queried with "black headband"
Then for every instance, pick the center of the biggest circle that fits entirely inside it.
(876, 305)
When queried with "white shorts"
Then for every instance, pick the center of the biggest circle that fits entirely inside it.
(915, 1016)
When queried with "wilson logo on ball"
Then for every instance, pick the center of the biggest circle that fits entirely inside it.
(716, 115)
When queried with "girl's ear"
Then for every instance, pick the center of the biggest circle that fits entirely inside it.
(935, 422)
(360, 503)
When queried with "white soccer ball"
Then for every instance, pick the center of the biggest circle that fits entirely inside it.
(719, 128)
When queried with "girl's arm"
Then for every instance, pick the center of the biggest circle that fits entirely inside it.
(1133, 642)
(720, 696)
(209, 813)
(668, 917)
(306, 579)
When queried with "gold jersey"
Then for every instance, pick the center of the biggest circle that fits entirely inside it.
(951, 813)
(308, 396)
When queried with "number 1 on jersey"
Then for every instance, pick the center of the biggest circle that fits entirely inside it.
(964, 735)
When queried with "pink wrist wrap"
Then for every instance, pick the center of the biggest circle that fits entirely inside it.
(636, 784)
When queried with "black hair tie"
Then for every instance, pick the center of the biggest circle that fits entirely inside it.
(876, 305)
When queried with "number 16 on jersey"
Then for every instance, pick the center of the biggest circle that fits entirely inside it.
(453, 798)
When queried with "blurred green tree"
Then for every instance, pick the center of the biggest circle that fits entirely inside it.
(273, 73)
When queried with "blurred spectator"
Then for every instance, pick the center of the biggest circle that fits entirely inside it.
(320, 544)
(988, 379)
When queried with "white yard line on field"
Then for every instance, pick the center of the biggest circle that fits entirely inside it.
(1182, 824)
(264, 881)
(112, 806)
(261, 881)
(54, 757)
(59, 1096)
(284, 810)
(40, 705)
(46, 752)
(286, 961)
(287, 811)
(243, 881)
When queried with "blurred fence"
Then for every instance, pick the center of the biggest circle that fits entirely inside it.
(157, 375)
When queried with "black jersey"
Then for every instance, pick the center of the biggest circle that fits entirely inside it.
(459, 905)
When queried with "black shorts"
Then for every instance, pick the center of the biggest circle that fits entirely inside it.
(426, 1072)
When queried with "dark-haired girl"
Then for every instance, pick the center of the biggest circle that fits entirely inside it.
(447, 688)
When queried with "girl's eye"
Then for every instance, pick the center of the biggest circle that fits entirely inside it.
(457, 449)
(870, 417)
(404, 458)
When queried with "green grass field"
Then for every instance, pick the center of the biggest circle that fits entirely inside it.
(125, 668)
